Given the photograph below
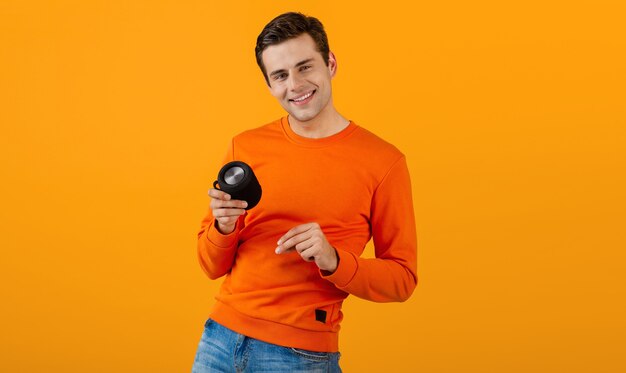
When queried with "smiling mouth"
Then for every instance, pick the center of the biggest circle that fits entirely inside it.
(302, 99)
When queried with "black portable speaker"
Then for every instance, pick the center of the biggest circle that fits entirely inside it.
(237, 179)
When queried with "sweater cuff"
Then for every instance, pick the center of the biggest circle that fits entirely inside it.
(222, 240)
(345, 271)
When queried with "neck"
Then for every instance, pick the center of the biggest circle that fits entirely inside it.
(325, 124)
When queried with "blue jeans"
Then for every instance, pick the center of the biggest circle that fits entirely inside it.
(223, 350)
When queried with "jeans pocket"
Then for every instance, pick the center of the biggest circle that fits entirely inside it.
(311, 355)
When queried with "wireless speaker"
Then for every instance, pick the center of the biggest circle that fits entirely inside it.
(237, 179)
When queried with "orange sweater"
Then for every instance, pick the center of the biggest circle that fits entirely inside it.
(355, 186)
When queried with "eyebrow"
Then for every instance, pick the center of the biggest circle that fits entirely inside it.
(297, 65)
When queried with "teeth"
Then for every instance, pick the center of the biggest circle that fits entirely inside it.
(303, 97)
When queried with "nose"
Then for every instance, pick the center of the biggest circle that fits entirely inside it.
(294, 82)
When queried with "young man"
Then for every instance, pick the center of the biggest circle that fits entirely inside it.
(328, 187)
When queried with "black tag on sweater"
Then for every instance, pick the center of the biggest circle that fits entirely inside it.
(320, 315)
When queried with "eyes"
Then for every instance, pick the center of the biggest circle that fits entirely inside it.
(280, 76)
(284, 75)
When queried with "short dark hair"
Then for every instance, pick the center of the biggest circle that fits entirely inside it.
(288, 26)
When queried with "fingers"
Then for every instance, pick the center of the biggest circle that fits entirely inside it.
(298, 243)
(296, 239)
(309, 254)
(299, 238)
(308, 247)
(221, 200)
(296, 231)
(311, 244)
(226, 210)
(218, 194)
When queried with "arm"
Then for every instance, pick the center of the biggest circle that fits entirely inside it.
(216, 250)
(219, 232)
(392, 275)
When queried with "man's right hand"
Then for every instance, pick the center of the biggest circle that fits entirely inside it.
(225, 210)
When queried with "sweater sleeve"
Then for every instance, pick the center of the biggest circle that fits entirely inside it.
(216, 251)
(392, 275)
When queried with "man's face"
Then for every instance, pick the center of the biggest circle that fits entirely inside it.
(298, 77)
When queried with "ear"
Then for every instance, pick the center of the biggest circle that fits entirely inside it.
(332, 64)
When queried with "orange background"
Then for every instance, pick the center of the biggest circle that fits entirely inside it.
(116, 114)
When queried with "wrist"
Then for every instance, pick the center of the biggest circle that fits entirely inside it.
(225, 229)
(333, 266)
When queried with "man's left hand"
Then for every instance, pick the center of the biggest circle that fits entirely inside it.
(310, 242)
